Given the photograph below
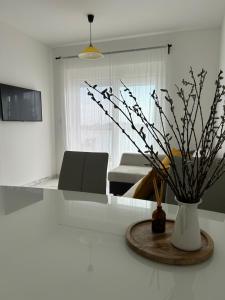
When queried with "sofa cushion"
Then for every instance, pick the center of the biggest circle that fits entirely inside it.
(146, 187)
(136, 159)
(130, 174)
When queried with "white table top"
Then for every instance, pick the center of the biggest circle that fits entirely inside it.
(61, 245)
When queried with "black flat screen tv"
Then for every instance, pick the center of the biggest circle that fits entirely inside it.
(20, 104)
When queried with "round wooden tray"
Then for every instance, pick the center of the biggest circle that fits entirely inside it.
(157, 246)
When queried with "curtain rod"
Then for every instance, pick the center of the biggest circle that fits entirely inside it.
(168, 46)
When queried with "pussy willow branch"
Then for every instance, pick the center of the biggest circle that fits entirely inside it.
(167, 139)
(139, 113)
(154, 131)
(154, 157)
(181, 133)
(196, 94)
(186, 121)
(211, 129)
(193, 181)
(155, 161)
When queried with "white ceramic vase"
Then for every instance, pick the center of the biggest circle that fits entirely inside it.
(186, 235)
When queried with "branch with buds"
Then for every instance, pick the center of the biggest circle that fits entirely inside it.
(192, 181)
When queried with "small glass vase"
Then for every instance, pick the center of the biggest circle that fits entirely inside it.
(186, 234)
(158, 220)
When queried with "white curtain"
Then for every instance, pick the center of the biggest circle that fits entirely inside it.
(87, 128)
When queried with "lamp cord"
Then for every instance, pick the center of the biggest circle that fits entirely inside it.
(90, 36)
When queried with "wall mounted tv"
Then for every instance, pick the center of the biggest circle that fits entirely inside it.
(20, 104)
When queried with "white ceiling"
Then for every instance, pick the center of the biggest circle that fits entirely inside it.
(59, 22)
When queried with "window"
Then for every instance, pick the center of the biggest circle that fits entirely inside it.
(87, 128)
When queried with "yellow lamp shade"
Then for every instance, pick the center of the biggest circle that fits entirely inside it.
(91, 52)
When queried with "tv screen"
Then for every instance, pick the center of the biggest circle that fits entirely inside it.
(20, 104)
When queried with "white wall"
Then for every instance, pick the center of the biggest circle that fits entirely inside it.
(222, 53)
(193, 48)
(27, 149)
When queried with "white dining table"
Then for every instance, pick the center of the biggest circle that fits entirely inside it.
(71, 245)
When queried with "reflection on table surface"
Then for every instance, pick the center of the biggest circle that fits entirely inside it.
(12, 199)
(70, 245)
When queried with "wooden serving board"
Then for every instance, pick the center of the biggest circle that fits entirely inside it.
(157, 246)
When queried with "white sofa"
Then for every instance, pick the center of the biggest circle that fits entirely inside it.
(132, 168)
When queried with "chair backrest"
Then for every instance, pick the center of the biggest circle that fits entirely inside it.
(213, 199)
(84, 172)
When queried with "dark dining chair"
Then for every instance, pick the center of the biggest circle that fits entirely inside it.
(84, 172)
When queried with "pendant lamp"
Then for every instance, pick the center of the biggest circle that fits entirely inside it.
(90, 52)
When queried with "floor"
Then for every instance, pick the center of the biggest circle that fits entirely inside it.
(51, 183)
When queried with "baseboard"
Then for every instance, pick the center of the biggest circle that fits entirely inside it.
(39, 181)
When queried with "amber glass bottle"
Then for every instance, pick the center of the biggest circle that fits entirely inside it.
(158, 220)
